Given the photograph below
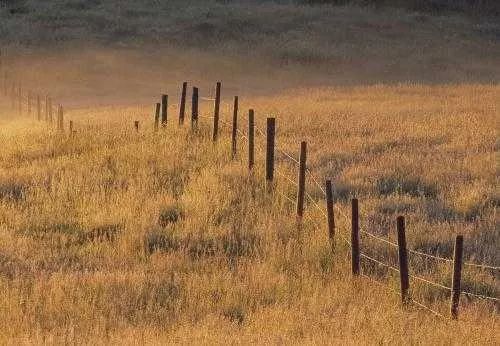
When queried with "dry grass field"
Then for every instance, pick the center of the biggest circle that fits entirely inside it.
(112, 234)
(117, 236)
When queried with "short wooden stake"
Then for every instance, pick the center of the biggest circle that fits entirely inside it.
(215, 132)
(234, 133)
(457, 276)
(403, 260)
(330, 214)
(164, 109)
(182, 107)
(157, 117)
(355, 237)
(194, 109)
(251, 139)
(301, 188)
(271, 131)
(136, 125)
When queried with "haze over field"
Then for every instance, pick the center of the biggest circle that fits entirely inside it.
(116, 235)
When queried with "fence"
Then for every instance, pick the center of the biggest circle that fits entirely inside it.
(24, 102)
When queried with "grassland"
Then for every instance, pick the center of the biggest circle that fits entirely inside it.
(111, 234)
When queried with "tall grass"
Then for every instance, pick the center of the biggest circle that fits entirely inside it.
(112, 235)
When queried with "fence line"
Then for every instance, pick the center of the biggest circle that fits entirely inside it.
(24, 100)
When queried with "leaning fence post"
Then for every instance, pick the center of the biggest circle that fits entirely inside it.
(157, 117)
(457, 276)
(271, 131)
(251, 138)
(301, 180)
(355, 237)
(235, 128)
(330, 214)
(164, 106)
(216, 112)
(182, 107)
(194, 109)
(403, 260)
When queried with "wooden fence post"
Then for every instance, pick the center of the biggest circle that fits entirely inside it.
(330, 214)
(71, 127)
(136, 125)
(164, 109)
(29, 102)
(271, 132)
(403, 260)
(355, 237)
(38, 108)
(251, 139)
(20, 100)
(457, 276)
(216, 112)
(234, 133)
(60, 118)
(182, 107)
(157, 117)
(301, 180)
(194, 109)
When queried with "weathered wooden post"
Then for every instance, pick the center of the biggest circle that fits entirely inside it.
(330, 214)
(71, 127)
(234, 133)
(136, 125)
(182, 107)
(355, 237)
(251, 138)
(271, 132)
(157, 117)
(403, 260)
(194, 109)
(164, 110)
(216, 112)
(457, 276)
(301, 180)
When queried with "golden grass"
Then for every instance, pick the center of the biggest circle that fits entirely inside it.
(112, 236)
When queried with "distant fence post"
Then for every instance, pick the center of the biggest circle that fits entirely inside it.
(234, 134)
(29, 102)
(403, 260)
(194, 109)
(251, 138)
(330, 214)
(457, 276)
(271, 132)
(182, 107)
(216, 112)
(60, 119)
(157, 117)
(355, 237)
(71, 127)
(301, 180)
(136, 125)
(20, 99)
(38, 108)
(164, 109)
